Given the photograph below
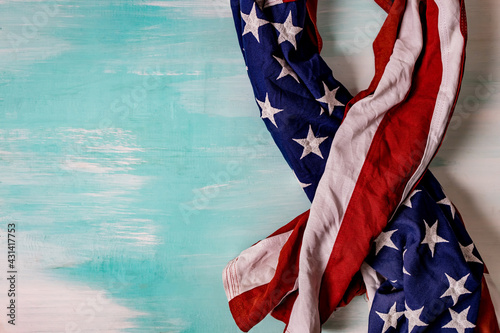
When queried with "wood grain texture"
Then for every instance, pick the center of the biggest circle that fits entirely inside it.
(134, 164)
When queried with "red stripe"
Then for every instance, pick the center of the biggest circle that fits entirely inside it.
(385, 4)
(252, 306)
(312, 29)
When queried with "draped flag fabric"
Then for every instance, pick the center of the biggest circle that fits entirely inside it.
(379, 221)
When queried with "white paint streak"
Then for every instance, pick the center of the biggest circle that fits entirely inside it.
(44, 298)
(204, 9)
(86, 167)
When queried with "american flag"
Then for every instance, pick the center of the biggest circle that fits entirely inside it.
(379, 221)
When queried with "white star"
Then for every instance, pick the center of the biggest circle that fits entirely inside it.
(252, 23)
(459, 321)
(287, 31)
(407, 202)
(413, 317)
(329, 98)
(267, 110)
(431, 237)
(384, 239)
(468, 255)
(310, 144)
(390, 319)
(447, 202)
(456, 288)
(285, 69)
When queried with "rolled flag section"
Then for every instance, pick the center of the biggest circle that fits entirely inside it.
(363, 162)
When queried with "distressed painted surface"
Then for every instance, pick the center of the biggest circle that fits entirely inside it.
(134, 165)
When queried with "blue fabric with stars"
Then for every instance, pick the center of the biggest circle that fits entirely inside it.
(431, 269)
(294, 89)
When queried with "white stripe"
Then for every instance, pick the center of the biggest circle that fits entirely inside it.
(494, 294)
(254, 267)
(452, 44)
(229, 279)
(347, 155)
(372, 281)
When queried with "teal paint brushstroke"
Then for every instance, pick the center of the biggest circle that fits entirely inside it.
(115, 116)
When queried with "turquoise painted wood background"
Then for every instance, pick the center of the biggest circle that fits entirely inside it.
(134, 164)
